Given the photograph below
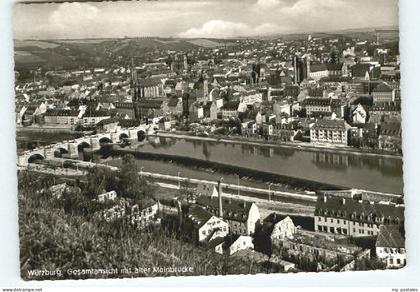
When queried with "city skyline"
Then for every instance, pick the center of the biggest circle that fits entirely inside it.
(196, 19)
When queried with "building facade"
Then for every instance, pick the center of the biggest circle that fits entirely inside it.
(352, 217)
(330, 131)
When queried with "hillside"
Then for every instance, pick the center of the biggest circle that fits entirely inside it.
(56, 237)
(73, 54)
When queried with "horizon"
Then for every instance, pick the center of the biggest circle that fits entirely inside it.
(274, 35)
(192, 19)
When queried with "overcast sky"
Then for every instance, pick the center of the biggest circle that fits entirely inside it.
(197, 18)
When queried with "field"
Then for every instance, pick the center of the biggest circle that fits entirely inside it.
(33, 43)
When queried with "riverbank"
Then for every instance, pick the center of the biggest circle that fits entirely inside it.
(288, 145)
(241, 171)
(46, 129)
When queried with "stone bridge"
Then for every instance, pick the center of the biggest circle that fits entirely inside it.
(71, 148)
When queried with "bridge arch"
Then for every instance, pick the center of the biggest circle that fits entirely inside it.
(104, 140)
(82, 145)
(124, 136)
(141, 135)
(34, 157)
(59, 151)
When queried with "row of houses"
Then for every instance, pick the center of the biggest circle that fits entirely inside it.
(353, 214)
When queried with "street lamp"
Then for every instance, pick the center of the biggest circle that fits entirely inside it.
(239, 192)
(269, 191)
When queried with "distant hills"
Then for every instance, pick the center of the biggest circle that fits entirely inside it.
(69, 53)
(80, 53)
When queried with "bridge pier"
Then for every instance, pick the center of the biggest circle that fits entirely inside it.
(94, 142)
(23, 160)
(49, 152)
(73, 152)
(115, 137)
(132, 134)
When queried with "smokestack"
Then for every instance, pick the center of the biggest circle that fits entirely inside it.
(219, 190)
(179, 209)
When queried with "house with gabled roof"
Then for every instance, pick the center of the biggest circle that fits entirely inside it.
(282, 229)
(390, 136)
(350, 216)
(234, 243)
(240, 215)
(390, 246)
(206, 226)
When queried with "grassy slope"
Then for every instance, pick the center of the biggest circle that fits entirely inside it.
(52, 239)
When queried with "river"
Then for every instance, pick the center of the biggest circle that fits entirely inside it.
(373, 173)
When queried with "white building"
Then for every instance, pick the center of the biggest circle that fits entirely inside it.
(359, 115)
(108, 196)
(390, 246)
(346, 215)
(330, 131)
(240, 215)
(234, 244)
(283, 229)
(206, 225)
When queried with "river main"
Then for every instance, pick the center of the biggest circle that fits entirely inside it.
(348, 170)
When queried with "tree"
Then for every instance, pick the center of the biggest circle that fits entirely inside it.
(100, 179)
(186, 191)
(131, 185)
(129, 177)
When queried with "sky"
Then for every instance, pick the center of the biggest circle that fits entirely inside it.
(197, 18)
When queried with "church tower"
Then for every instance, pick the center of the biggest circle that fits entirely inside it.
(134, 81)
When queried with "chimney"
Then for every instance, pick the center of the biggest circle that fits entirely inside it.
(219, 190)
(179, 209)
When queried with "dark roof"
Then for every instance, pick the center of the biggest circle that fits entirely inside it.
(334, 67)
(58, 112)
(365, 100)
(215, 242)
(330, 124)
(333, 206)
(318, 67)
(361, 66)
(317, 101)
(150, 103)
(335, 79)
(383, 87)
(336, 102)
(98, 113)
(391, 236)
(125, 105)
(386, 107)
(147, 82)
(390, 129)
(173, 102)
(316, 92)
(229, 240)
(199, 216)
(233, 209)
(232, 105)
